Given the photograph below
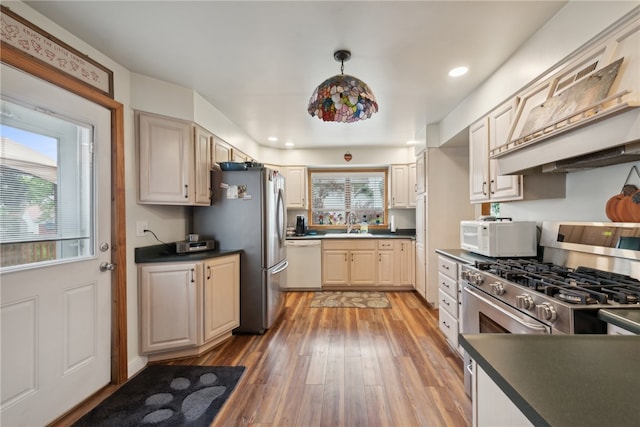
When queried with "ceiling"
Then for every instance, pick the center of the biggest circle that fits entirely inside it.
(259, 61)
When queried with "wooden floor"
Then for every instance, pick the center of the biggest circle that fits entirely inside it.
(342, 367)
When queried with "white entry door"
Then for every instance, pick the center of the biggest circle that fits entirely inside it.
(55, 218)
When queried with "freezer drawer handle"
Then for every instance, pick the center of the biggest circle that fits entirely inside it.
(281, 268)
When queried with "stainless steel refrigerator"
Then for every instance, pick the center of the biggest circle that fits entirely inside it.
(249, 213)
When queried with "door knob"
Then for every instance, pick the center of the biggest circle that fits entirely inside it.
(107, 266)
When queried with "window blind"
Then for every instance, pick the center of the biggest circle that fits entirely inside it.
(334, 195)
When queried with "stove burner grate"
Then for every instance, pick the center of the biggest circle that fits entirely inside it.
(581, 285)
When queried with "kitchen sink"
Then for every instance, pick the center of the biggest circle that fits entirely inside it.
(346, 235)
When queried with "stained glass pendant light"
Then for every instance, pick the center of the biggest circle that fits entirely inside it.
(342, 98)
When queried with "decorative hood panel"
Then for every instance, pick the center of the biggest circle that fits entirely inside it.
(584, 114)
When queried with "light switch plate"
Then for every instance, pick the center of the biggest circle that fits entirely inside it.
(140, 227)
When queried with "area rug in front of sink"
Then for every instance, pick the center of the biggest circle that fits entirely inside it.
(167, 395)
(337, 299)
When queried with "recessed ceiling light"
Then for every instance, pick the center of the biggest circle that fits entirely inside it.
(273, 138)
(458, 71)
(289, 144)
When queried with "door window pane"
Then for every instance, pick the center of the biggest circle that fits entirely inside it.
(46, 186)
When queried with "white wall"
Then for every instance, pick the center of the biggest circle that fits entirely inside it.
(587, 195)
(361, 156)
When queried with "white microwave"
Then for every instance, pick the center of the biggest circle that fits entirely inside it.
(499, 238)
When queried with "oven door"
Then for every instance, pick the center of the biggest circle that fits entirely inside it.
(484, 314)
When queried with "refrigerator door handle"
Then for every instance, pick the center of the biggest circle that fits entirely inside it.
(282, 220)
(281, 268)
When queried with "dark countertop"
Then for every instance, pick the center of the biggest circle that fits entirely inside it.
(462, 255)
(167, 253)
(374, 234)
(626, 318)
(564, 380)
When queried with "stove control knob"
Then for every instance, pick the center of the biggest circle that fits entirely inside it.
(546, 311)
(477, 279)
(525, 301)
(497, 289)
(464, 275)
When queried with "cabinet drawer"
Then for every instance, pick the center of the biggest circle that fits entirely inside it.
(448, 303)
(449, 327)
(386, 245)
(350, 244)
(448, 285)
(448, 267)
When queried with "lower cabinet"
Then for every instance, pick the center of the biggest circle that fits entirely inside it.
(221, 305)
(187, 308)
(491, 406)
(368, 263)
(448, 300)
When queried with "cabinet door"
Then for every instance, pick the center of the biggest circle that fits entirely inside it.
(166, 160)
(412, 185)
(222, 152)
(502, 187)
(296, 187)
(421, 172)
(363, 267)
(421, 270)
(221, 302)
(487, 397)
(479, 161)
(335, 267)
(406, 259)
(202, 167)
(239, 156)
(168, 301)
(386, 268)
(399, 183)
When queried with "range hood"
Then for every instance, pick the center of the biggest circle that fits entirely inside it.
(612, 140)
(607, 157)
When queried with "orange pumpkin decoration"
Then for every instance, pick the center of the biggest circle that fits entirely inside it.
(619, 207)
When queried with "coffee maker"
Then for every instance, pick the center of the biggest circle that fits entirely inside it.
(301, 229)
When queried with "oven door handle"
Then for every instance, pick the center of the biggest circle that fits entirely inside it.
(527, 325)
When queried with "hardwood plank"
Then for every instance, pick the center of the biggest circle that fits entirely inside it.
(340, 367)
(333, 406)
(311, 406)
(377, 406)
(355, 405)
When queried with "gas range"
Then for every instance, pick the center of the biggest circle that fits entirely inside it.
(584, 267)
(552, 293)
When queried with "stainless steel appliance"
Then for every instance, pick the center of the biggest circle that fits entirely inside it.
(499, 237)
(250, 214)
(585, 267)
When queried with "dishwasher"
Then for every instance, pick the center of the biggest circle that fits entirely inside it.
(305, 265)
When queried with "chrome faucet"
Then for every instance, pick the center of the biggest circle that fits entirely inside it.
(351, 219)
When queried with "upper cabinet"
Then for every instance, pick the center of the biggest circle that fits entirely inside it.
(221, 151)
(295, 186)
(490, 131)
(485, 182)
(202, 163)
(173, 162)
(403, 185)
